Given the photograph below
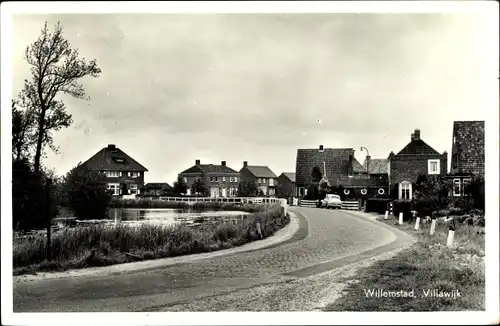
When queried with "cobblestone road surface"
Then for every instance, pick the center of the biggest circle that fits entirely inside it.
(327, 240)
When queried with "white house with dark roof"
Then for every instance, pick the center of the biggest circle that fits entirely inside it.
(124, 175)
(265, 178)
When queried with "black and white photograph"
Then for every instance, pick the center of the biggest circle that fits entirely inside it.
(257, 163)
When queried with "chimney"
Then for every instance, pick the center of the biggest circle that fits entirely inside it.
(111, 146)
(368, 158)
(197, 162)
(320, 148)
(223, 163)
(245, 163)
(412, 136)
(417, 134)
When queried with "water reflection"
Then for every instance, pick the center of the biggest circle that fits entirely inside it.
(170, 216)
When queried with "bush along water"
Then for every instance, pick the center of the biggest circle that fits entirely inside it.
(105, 244)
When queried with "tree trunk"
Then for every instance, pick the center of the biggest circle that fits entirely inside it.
(39, 141)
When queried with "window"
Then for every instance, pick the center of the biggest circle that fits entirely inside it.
(223, 178)
(263, 180)
(258, 180)
(456, 187)
(211, 179)
(114, 188)
(405, 190)
(235, 179)
(133, 189)
(113, 174)
(271, 181)
(433, 166)
(230, 179)
(185, 180)
(216, 179)
(465, 186)
(134, 174)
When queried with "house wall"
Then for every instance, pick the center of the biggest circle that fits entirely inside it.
(287, 186)
(216, 188)
(191, 177)
(125, 179)
(409, 167)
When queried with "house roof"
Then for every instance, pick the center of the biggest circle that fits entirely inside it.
(290, 175)
(469, 145)
(157, 185)
(114, 159)
(357, 167)
(209, 168)
(336, 162)
(260, 171)
(378, 166)
(417, 147)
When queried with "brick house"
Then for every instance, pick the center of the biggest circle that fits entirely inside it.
(338, 165)
(414, 159)
(156, 189)
(221, 180)
(124, 175)
(286, 181)
(263, 176)
(467, 154)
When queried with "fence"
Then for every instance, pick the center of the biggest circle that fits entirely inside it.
(243, 200)
(347, 205)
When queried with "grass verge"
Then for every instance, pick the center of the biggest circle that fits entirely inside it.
(100, 245)
(427, 265)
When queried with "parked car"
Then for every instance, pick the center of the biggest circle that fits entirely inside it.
(331, 201)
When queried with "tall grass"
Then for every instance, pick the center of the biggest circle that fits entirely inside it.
(98, 245)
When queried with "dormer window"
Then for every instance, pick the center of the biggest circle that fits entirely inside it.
(119, 160)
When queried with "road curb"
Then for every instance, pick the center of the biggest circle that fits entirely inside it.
(281, 236)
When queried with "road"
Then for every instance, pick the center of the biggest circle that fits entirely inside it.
(286, 276)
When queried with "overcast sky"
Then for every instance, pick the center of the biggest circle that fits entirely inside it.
(176, 88)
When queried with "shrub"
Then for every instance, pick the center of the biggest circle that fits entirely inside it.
(377, 205)
(28, 197)
(425, 206)
(86, 192)
(405, 207)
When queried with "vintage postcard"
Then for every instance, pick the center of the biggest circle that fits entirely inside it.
(245, 163)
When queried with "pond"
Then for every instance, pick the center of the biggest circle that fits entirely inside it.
(171, 216)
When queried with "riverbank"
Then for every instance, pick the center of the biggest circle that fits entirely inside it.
(426, 277)
(101, 245)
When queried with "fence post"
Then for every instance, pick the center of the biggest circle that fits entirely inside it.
(400, 218)
(48, 214)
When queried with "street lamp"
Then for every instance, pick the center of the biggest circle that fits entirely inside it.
(367, 155)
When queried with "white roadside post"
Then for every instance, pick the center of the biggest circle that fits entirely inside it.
(386, 216)
(417, 223)
(259, 231)
(451, 234)
(433, 225)
(400, 218)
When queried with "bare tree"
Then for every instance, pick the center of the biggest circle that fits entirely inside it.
(55, 68)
